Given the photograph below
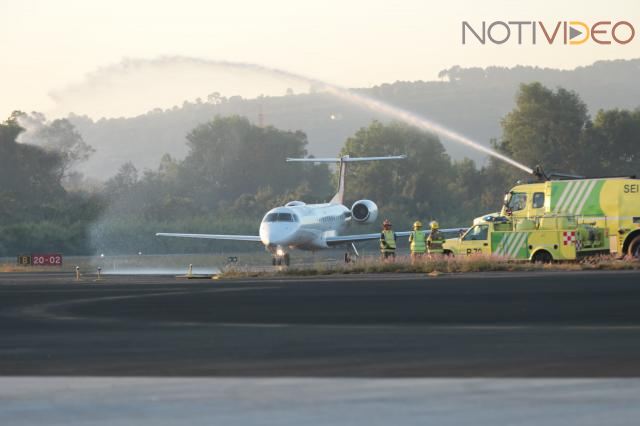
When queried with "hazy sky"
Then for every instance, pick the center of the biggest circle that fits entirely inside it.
(48, 46)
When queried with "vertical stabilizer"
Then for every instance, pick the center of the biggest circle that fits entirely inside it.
(339, 197)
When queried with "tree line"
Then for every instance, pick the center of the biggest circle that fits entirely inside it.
(235, 171)
(470, 100)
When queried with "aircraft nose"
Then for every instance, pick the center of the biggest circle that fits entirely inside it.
(265, 235)
(276, 234)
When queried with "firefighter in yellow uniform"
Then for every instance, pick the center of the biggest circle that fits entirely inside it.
(417, 241)
(387, 241)
(436, 240)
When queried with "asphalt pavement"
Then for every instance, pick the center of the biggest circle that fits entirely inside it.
(490, 325)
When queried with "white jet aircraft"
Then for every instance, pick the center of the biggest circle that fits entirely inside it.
(297, 225)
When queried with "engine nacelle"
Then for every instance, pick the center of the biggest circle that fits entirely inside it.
(364, 211)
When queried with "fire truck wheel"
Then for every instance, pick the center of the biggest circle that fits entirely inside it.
(634, 247)
(542, 256)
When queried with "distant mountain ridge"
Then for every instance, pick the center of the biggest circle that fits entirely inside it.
(471, 101)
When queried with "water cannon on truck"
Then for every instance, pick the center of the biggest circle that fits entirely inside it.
(559, 217)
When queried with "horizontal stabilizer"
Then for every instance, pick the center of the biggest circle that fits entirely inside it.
(212, 236)
(339, 197)
(345, 159)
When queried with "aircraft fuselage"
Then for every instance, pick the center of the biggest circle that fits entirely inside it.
(304, 227)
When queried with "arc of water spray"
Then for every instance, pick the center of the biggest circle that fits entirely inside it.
(420, 123)
(341, 93)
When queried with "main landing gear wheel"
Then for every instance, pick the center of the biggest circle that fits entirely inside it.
(351, 255)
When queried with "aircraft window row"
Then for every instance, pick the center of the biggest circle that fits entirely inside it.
(281, 217)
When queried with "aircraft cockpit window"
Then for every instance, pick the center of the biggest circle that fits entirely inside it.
(271, 217)
(281, 217)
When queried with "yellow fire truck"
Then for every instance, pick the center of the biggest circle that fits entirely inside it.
(560, 219)
(609, 203)
(541, 240)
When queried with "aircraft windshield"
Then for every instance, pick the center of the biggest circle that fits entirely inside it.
(280, 217)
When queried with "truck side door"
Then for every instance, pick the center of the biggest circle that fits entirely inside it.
(475, 240)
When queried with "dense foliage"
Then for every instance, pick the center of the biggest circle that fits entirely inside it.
(554, 129)
(233, 174)
(36, 212)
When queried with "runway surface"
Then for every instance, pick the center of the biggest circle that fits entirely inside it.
(561, 325)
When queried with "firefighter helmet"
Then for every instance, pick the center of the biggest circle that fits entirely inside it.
(434, 224)
(417, 224)
(386, 223)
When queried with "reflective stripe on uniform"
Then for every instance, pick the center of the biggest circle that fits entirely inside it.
(435, 244)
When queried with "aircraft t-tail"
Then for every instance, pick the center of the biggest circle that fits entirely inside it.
(298, 225)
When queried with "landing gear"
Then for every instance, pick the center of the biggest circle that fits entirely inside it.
(351, 255)
(280, 259)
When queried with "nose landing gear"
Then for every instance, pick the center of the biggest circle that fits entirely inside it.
(279, 259)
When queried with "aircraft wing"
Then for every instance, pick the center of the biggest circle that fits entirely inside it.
(255, 238)
(456, 231)
(347, 239)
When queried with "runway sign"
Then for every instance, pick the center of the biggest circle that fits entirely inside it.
(48, 259)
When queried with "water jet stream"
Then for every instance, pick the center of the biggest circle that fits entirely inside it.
(337, 91)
